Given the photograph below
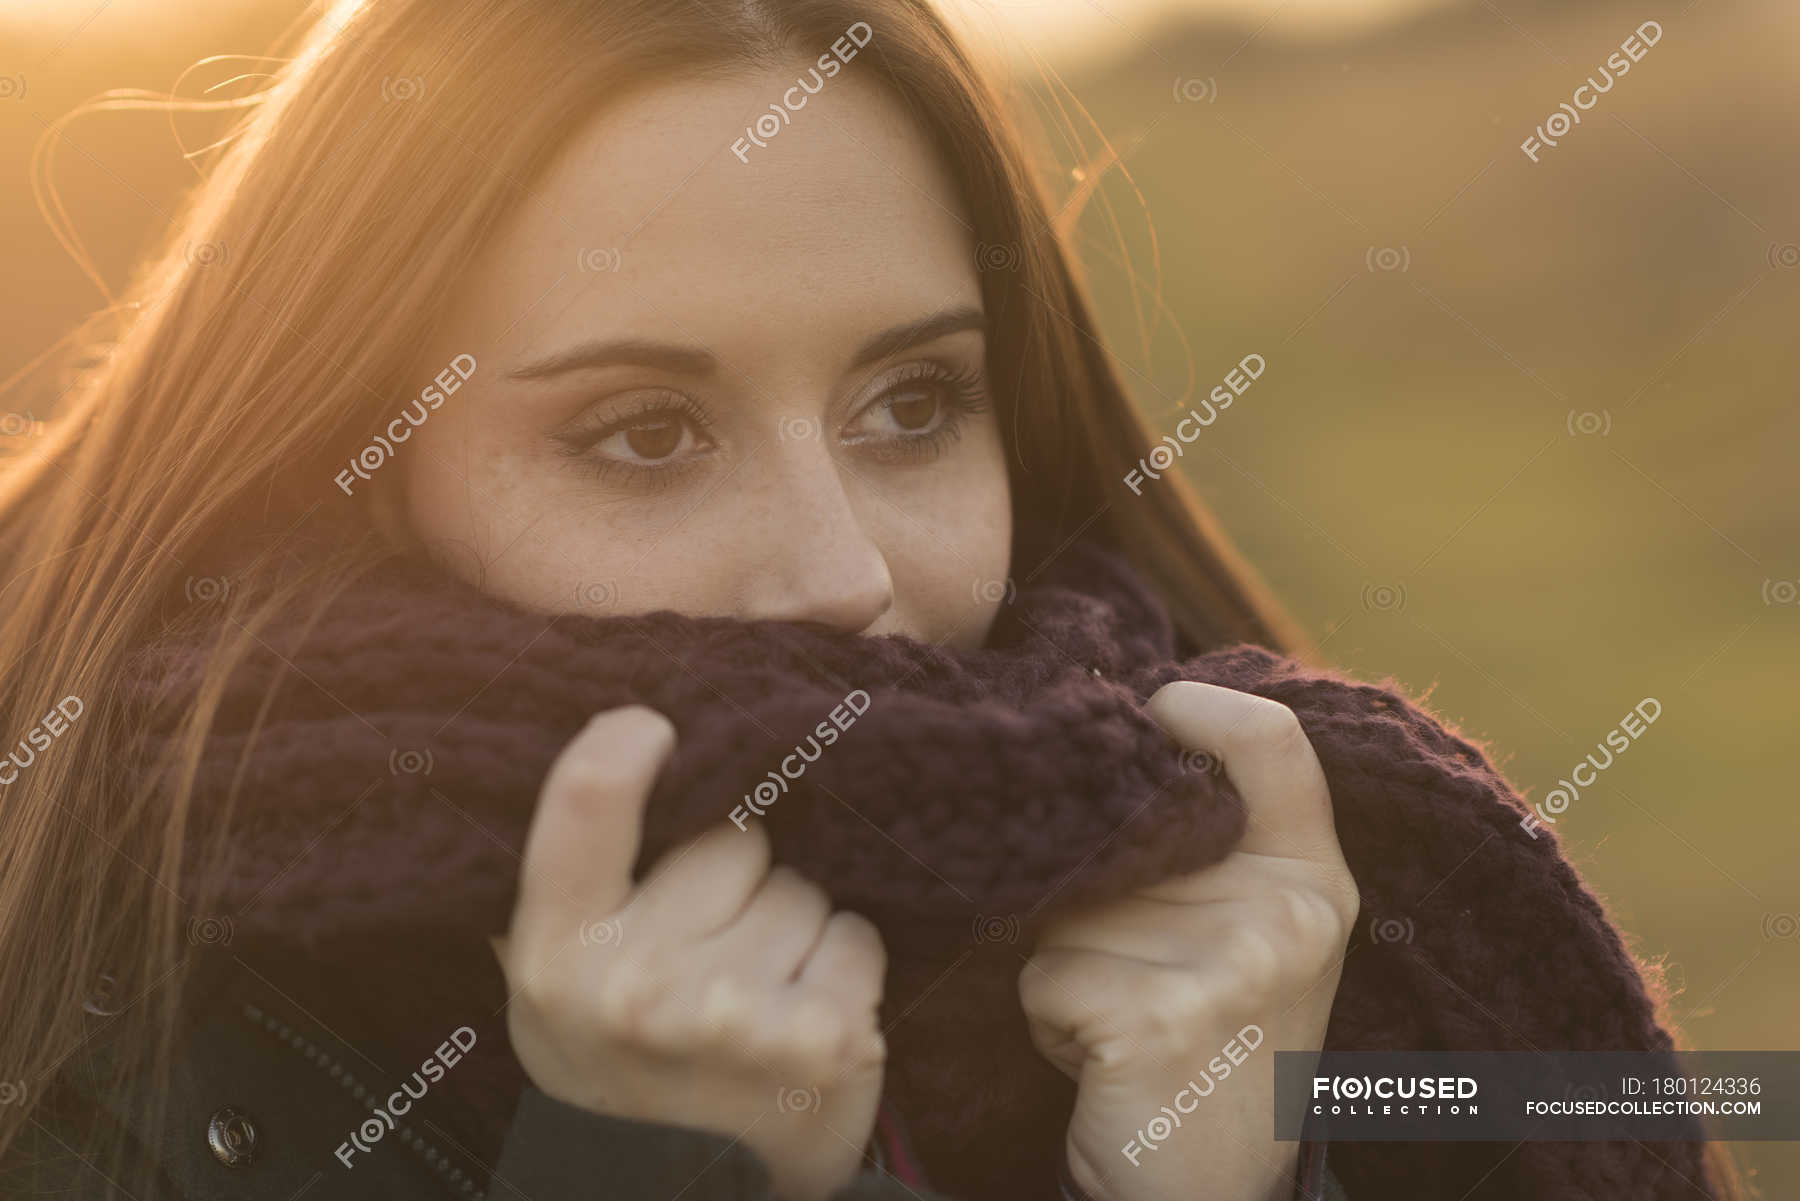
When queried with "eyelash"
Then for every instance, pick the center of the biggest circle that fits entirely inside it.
(965, 395)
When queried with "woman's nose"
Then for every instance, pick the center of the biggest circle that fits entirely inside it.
(815, 559)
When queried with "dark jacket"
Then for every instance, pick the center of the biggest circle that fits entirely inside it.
(262, 1102)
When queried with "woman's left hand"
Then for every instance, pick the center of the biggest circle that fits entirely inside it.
(1149, 1001)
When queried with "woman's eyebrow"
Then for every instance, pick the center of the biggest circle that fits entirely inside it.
(692, 360)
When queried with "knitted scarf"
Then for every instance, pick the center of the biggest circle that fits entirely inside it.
(966, 797)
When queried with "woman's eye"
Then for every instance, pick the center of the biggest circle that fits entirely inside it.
(649, 439)
(912, 409)
(651, 442)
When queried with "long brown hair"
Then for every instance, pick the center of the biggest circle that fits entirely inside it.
(250, 359)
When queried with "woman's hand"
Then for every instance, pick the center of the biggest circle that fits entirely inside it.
(1137, 997)
(718, 994)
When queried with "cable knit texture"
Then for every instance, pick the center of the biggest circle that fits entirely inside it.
(385, 800)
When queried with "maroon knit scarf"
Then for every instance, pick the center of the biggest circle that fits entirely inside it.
(386, 799)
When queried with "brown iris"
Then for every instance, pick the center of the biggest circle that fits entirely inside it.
(654, 439)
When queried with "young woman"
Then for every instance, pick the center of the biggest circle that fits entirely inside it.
(748, 311)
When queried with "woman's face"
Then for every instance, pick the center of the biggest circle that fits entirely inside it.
(746, 383)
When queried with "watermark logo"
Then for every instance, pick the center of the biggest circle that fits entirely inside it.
(1388, 258)
(399, 1102)
(607, 259)
(1784, 256)
(1384, 598)
(1560, 123)
(799, 429)
(997, 256)
(210, 931)
(1781, 927)
(781, 114)
(445, 382)
(1390, 929)
(1585, 773)
(767, 792)
(798, 1100)
(1781, 592)
(51, 726)
(19, 425)
(1157, 1130)
(1163, 455)
(402, 87)
(206, 589)
(12, 1092)
(410, 762)
(12, 87)
(994, 592)
(1586, 423)
(607, 932)
(596, 594)
(997, 928)
(1195, 90)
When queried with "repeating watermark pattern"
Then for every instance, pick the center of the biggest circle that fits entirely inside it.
(767, 792)
(1781, 592)
(599, 258)
(1587, 423)
(430, 400)
(1390, 929)
(51, 726)
(1195, 90)
(210, 931)
(1568, 115)
(402, 87)
(799, 429)
(997, 256)
(1385, 259)
(12, 1092)
(1384, 598)
(761, 131)
(1004, 927)
(1781, 927)
(410, 762)
(596, 594)
(1568, 789)
(798, 1100)
(605, 932)
(994, 592)
(385, 1118)
(1784, 256)
(206, 589)
(12, 87)
(1164, 453)
(19, 425)
(1157, 1130)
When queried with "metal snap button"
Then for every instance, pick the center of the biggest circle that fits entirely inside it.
(232, 1137)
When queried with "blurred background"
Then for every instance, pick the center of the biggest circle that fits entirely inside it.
(1527, 440)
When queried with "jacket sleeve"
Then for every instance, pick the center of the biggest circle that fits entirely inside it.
(560, 1152)
(1315, 1183)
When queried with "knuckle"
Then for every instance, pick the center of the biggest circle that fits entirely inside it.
(1176, 1008)
(1312, 920)
(1255, 958)
(1271, 724)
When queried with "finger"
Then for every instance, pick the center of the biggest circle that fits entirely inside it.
(585, 835)
(769, 941)
(1266, 754)
(848, 967)
(702, 886)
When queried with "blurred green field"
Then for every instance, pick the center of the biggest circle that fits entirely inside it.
(1405, 473)
(1418, 434)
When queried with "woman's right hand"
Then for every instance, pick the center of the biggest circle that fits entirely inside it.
(718, 994)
